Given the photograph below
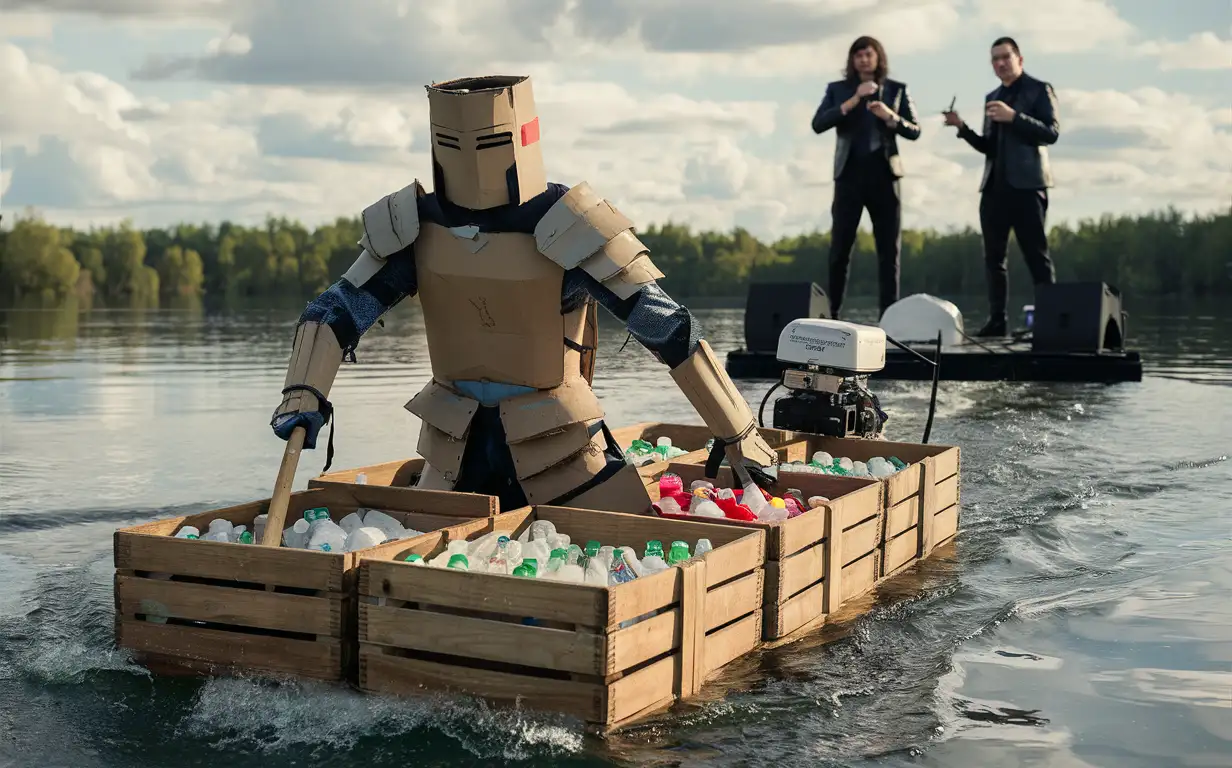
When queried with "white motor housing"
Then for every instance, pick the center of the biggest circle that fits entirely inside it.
(916, 319)
(845, 347)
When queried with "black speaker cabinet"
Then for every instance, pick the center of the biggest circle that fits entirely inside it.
(771, 306)
(1078, 317)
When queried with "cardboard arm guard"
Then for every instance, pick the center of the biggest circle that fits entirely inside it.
(315, 359)
(391, 224)
(709, 389)
(585, 231)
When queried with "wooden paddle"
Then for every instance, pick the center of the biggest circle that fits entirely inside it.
(276, 517)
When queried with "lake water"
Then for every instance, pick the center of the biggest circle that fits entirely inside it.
(1082, 618)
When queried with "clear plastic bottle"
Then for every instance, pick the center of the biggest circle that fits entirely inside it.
(459, 562)
(498, 562)
(620, 572)
(703, 546)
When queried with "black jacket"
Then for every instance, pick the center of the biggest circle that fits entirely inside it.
(1021, 143)
(830, 115)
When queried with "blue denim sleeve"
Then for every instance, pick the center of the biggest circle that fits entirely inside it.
(652, 317)
(351, 311)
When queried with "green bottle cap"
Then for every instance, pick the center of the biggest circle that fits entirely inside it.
(326, 547)
(245, 538)
(532, 564)
(191, 536)
(558, 554)
(654, 545)
(502, 540)
(592, 548)
(316, 513)
(413, 558)
(458, 561)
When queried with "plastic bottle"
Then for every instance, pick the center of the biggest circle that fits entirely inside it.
(414, 559)
(531, 565)
(542, 529)
(391, 526)
(703, 546)
(556, 561)
(351, 523)
(456, 547)
(188, 532)
(296, 537)
(703, 484)
(670, 484)
(592, 551)
(620, 572)
(245, 538)
(898, 463)
(498, 562)
(631, 559)
(653, 547)
(459, 562)
(362, 538)
(678, 553)
(823, 459)
(523, 571)
(706, 508)
(669, 506)
(258, 526)
(324, 533)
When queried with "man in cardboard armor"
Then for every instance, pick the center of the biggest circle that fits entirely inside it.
(507, 267)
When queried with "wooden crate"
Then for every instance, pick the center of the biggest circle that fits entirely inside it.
(808, 574)
(205, 607)
(588, 651)
(930, 482)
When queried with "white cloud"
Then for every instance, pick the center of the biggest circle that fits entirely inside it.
(1203, 50)
(1055, 26)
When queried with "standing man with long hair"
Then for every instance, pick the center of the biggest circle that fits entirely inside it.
(869, 111)
(1020, 122)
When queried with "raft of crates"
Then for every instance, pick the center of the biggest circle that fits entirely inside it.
(385, 620)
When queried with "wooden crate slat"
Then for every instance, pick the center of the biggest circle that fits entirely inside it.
(580, 652)
(385, 673)
(946, 494)
(734, 599)
(730, 643)
(510, 595)
(321, 659)
(945, 525)
(796, 573)
(738, 557)
(647, 687)
(860, 576)
(227, 605)
(901, 550)
(902, 516)
(799, 533)
(788, 615)
(861, 540)
(643, 641)
(642, 596)
(214, 560)
(690, 674)
(947, 462)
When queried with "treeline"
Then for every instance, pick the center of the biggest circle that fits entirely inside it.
(1164, 253)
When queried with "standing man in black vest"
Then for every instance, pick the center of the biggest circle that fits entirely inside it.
(1020, 121)
(869, 112)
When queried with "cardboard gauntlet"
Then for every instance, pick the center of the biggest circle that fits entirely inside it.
(725, 412)
(315, 359)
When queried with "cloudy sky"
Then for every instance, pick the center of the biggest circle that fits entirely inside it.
(697, 112)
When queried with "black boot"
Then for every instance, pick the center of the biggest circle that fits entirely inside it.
(996, 326)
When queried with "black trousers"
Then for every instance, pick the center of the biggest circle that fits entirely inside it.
(866, 182)
(1003, 208)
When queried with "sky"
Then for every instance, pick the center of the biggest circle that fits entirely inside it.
(163, 111)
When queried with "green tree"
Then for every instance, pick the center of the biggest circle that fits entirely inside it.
(37, 262)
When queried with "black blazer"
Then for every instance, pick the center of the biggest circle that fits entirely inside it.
(830, 115)
(1022, 143)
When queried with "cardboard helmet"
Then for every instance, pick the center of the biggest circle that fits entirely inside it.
(485, 141)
